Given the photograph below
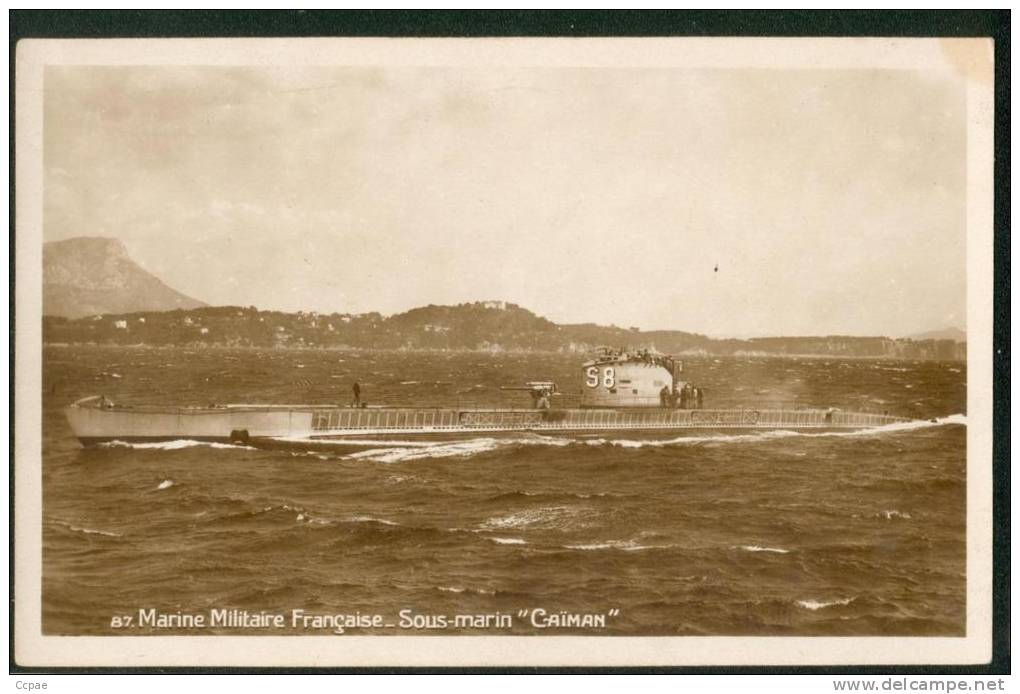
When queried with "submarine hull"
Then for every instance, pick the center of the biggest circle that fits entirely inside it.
(93, 421)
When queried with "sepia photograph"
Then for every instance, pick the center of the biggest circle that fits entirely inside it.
(425, 351)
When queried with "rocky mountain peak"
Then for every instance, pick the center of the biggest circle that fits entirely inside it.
(91, 275)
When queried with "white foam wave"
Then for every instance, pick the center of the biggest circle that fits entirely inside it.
(817, 605)
(450, 449)
(759, 548)
(623, 545)
(900, 426)
(303, 516)
(357, 442)
(772, 434)
(282, 507)
(165, 484)
(893, 513)
(546, 516)
(508, 541)
(93, 531)
(308, 454)
(371, 519)
(457, 449)
(173, 445)
(458, 589)
(681, 440)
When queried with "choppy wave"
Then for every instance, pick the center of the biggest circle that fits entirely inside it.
(86, 530)
(457, 449)
(280, 507)
(309, 517)
(452, 449)
(893, 513)
(818, 605)
(548, 516)
(459, 589)
(955, 419)
(165, 484)
(952, 419)
(519, 495)
(759, 548)
(508, 540)
(312, 520)
(371, 519)
(623, 545)
(93, 531)
(772, 434)
(685, 440)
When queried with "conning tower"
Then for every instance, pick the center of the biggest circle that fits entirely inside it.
(617, 378)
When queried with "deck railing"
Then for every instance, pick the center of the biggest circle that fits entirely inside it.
(350, 419)
(715, 400)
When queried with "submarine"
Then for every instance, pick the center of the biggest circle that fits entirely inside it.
(621, 391)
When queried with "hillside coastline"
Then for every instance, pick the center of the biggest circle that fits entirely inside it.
(490, 326)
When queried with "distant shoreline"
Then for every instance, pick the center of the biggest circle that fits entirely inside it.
(479, 327)
(513, 352)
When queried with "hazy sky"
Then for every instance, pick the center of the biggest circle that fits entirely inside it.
(832, 201)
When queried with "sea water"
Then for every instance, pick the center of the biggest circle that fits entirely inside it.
(777, 533)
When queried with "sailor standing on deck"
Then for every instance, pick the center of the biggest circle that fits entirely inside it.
(356, 389)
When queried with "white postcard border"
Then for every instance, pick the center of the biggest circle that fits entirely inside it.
(971, 58)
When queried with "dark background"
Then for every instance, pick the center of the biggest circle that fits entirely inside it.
(298, 23)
